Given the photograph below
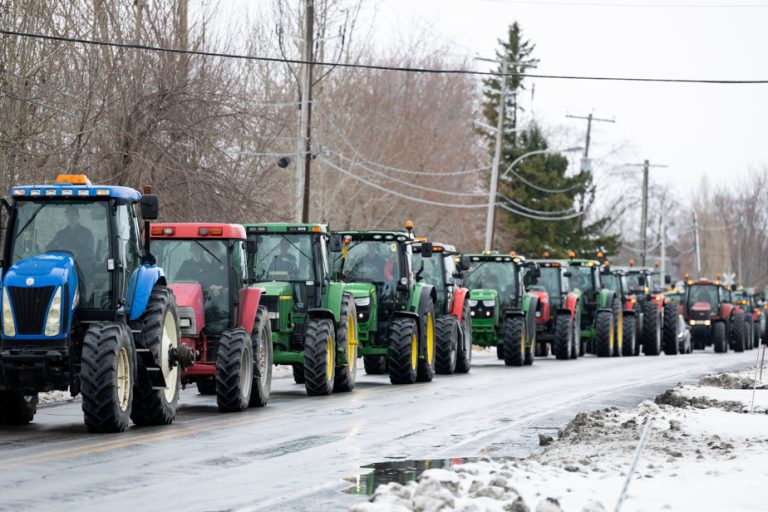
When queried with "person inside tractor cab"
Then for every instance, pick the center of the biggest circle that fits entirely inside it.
(377, 262)
(703, 294)
(284, 260)
(74, 237)
(210, 271)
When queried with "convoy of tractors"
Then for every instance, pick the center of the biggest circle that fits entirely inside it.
(93, 305)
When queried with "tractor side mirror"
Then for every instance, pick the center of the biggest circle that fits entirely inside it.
(150, 207)
(336, 243)
(463, 263)
(667, 279)
(251, 246)
(426, 249)
(568, 274)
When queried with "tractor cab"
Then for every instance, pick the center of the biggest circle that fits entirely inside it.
(703, 301)
(550, 278)
(496, 281)
(443, 269)
(584, 276)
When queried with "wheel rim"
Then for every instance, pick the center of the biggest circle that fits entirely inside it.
(430, 338)
(620, 330)
(123, 379)
(246, 373)
(329, 362)
(261, 360)
(414, 351)
(522, 342)
(610, 338)
(351, 343)
(170, 372)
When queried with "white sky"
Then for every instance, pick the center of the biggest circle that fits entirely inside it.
(713, 130)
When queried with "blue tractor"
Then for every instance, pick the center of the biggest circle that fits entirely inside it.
(85, 309)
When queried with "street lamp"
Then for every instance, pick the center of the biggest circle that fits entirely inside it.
(490, 216)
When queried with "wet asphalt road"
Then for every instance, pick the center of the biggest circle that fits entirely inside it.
(295, 453)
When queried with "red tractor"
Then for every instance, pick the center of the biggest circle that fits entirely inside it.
(713, 321)
(220, 316)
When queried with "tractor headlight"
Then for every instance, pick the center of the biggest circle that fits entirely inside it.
(489, 303)
(76, 299)
(538, 314)
(472, 303)
(9, 325)
(362, 301)
(53, 323)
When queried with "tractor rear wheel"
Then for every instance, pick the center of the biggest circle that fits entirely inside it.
(403, 359)
(718, 337)
(375, 365)
(106, 377)
(756, 334)
(529, 351)
(298, 373)
(319, 357)
(514, 341)
(464, 353)
(671, 333)
(160, 335)
(16, 408)
(618, 334)
(447, 340)
(261, 343)
(234, 370)
(578, 349)
(206, 387)
(630, 338)
(651, 329)
(748, 331)
(604, 332)
(499, 351)
(346, 337)
(563, 336)
(427, 343)
(737, 331)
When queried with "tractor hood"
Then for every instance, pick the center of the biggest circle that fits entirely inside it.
(275, 288)
(360, 290)
(541, 294)
(190, 305)
(49, 269)
(701, 307)
(483, 294)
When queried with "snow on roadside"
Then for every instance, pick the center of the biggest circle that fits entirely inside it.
(704, 454)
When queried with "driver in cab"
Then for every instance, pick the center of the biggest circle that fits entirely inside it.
(74, 237)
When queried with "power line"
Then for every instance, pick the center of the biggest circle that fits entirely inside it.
(534, 217)
(537, 187)
(402, 69)
(562, 3)
(540, 212)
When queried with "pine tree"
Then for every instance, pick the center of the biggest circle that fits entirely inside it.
(538, 183)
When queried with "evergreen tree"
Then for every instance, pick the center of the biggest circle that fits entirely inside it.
(538, 183)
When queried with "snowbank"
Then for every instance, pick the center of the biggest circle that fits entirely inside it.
(704, 453)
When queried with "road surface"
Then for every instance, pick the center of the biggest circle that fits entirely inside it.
(295, 453)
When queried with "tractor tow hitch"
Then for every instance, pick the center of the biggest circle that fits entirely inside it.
(183, 357)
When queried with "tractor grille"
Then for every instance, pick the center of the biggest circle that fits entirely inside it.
(272, 305)
(299, 330)
(30, 306)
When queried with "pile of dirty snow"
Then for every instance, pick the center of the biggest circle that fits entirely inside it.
(704, 453)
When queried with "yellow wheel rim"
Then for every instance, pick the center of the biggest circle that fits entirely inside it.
(123, 379)
(430, 339)
(414, 351)
(351, 343)
(610, 338)
(522, 343)
(620, 330)
(329, 362)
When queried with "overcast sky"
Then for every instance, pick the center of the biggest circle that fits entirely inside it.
(713, 130)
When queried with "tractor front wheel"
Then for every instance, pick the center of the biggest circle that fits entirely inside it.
(604, 331)
(737, 331)
(514, 341)
(630, 338)
(375, 365)
(234, 371)
(447, 339)
(319, 357)
(464, 352)
(563, 336)
(651, 329)
(106, 377)
(346, 337)
(403, 360)
(618, 334)
(206, 387)
(298, 373)
(17, 408)
(426, 371)
(718, 337)
(261, 343)
(671, 332)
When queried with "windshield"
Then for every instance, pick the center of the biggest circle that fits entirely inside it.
(433, 273)
(203, 262)
(493, 275)
(612, 282)
(282, 257)
(548, 281)
(706, 293)
(581, 278)
(79, 228)
(637, 282)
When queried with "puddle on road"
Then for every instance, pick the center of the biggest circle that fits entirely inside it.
(400, 471)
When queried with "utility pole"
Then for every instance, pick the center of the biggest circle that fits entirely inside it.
(739, 279)
(646, 165)
(305, 155)
(696, 246)
(663, 247)
(585, 164)
(490, 216)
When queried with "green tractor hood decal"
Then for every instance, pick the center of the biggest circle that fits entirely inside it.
(275, 288)
(483, 294)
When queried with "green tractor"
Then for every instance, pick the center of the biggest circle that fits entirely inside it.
(313, 318)
(503, 313)
(396, 311)
(602, 319)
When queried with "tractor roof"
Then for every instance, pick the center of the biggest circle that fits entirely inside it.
(73, 186)
(286, 227)
(503, 258)
(704, 281)
(378, 234)
(581, 263)
(436, 247)
(549, 263)
(198, 230)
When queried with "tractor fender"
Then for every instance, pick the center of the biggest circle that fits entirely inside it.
(249, 300)
(726, 310)
(605, 300)
(543, 298)
(334, 298)
(459, 298)
(140, 286)
(629, 305)
(421, 292)
(406, 314)
(326, 313)
(571, 303)
(530, 305)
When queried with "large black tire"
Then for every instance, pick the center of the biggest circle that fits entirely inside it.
(618, 322)
(671, 333)
(719, 339)
(639, 326)
(651, 329)
(500, 352)
(16, 408)
(346, 338)
(579, 348)
(529, 351)
(234, 370)
(563, 343)
(261, 343)
(755, 334)
(108, 368)
(604, 333)
(447, 340)
(737, 331)
(403, 358)
(157, 406)
(514, 341)
(630, 337)
(206, 387)
(426, 370)
(748, 334)
(298, 373)
(375, 365)
(542, 349)
(319, 357)
(464, 354)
